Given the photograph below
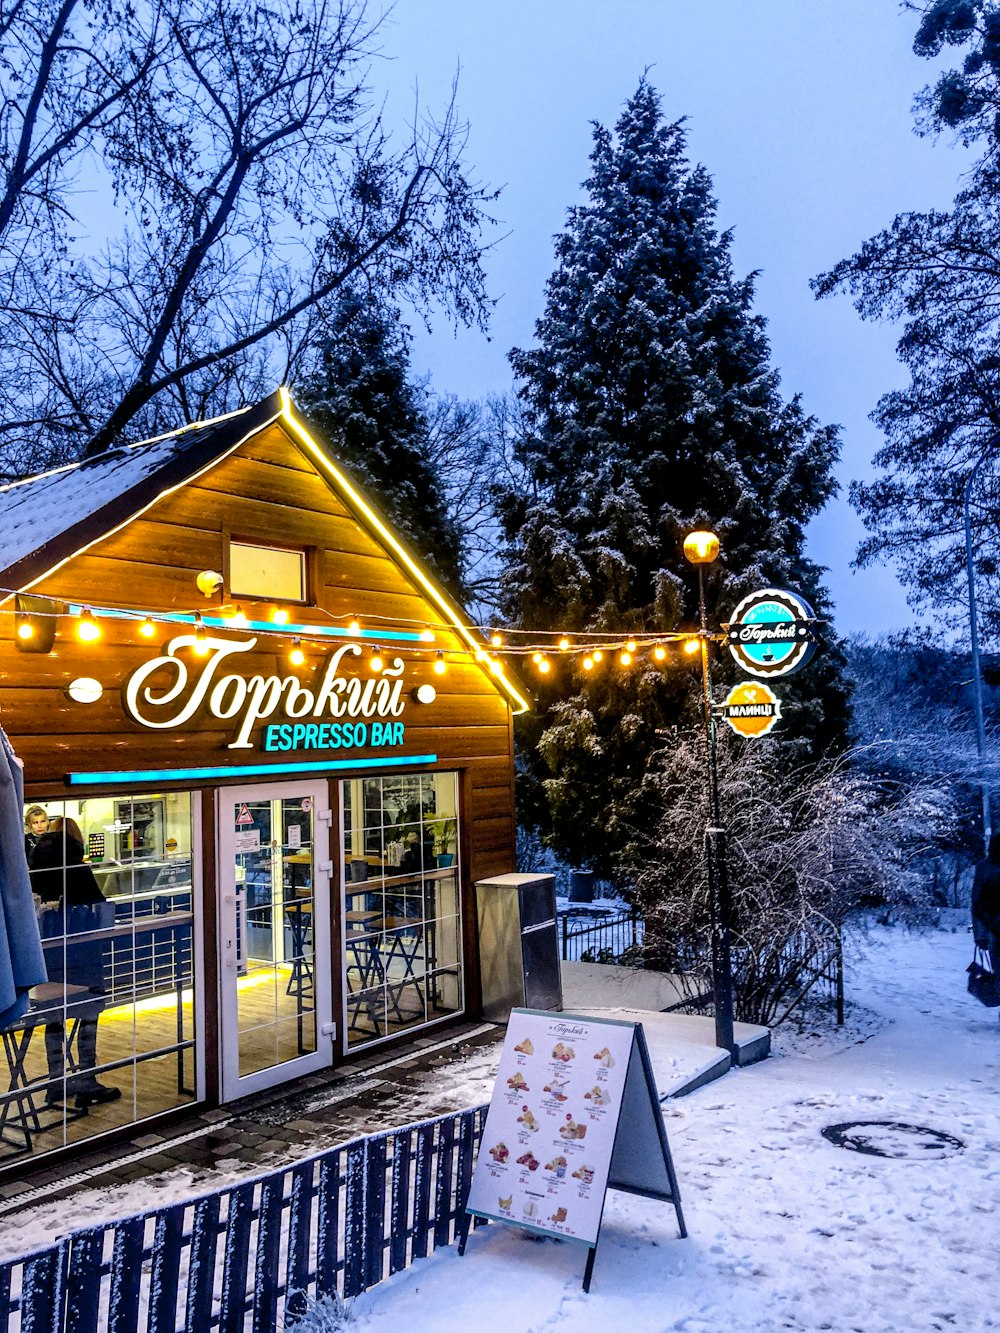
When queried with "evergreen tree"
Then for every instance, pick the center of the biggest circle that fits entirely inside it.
(359, 395)
(939, 273)
(651, 409)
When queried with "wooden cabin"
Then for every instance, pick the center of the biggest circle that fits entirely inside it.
(288, 759)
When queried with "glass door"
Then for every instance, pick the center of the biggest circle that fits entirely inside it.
(274, 877)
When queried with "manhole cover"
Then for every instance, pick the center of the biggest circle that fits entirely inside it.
(893, 1138)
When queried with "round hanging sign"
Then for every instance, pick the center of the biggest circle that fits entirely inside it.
(751, 708)
(770, 633)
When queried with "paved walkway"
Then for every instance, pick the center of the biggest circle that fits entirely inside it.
(430, 1076)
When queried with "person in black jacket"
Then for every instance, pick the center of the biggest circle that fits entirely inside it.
(986, 903)
(59, 874)
(36, 823)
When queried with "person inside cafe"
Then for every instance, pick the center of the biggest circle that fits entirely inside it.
(61, 876)
(36, 822)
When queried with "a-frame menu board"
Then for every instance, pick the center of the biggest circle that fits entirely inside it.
(574, 1112)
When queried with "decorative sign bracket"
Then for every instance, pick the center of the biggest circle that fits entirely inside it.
(609, 1135)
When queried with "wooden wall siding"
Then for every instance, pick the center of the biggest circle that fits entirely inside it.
(268, 490)
(471, 723)
(47, 711)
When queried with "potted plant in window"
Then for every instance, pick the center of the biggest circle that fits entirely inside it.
(443, 831)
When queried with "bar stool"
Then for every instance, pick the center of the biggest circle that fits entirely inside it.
(19, 1115)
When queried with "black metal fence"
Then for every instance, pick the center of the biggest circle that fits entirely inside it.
(249, 1257)
(823, 967)
(605, 939)
(812, 962)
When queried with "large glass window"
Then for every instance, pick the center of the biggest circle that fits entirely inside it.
(402, 920)
(110, 1037)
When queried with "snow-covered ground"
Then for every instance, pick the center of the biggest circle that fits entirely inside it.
(787, 1231)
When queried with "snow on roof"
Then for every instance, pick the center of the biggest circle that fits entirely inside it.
(48, 516)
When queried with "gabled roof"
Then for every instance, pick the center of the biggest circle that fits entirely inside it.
(47, 519)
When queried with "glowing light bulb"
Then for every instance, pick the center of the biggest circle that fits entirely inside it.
(597, 655)
(659, 652)
(496, 639)
(296, 656)
(239, 618)
(440, 666)
(691, 646)
(147, 629)
(701, 548)
(630, 646)
(279, 616)
(375, 662)
(625, 658)
(25, 630)
(427, 634)
(87, 628)
(563, 644)
(496, 666)
(354, 627)
(544, 666)
(588, 664)
(536, 658)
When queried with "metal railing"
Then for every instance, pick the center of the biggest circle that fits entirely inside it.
(251, 1255)
(818, 963)
(609, 939)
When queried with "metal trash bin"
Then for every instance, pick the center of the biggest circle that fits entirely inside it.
(581, 886)
(518, 944)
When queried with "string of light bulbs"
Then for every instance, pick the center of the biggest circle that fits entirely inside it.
(589, 648)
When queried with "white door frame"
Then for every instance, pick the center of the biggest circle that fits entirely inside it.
(233, 1085)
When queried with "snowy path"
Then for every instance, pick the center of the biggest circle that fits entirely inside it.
(787, 1231)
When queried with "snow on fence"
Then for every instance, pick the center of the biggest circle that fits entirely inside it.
(601, 939)
(249, 1256)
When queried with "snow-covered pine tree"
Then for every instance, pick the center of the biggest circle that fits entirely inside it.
(651, 409)
(359, 394)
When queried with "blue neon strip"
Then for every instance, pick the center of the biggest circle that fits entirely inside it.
(240, 770)
(261, 626)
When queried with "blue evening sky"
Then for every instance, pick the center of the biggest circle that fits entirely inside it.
(800, 110)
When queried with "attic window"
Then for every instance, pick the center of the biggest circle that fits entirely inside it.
(269, 573)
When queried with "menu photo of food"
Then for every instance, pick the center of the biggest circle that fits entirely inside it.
(527, 1121)
(598, 1096)
(557, 1166)
(555, 1087)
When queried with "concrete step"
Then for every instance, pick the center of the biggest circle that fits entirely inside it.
(686, 1054)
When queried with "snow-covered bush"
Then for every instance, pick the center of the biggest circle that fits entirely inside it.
(808, 845)
(323, 1314)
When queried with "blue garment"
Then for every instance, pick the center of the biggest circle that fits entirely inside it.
(22, 963)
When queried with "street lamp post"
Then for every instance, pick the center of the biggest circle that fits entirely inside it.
(701, 549)
(977, 673)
